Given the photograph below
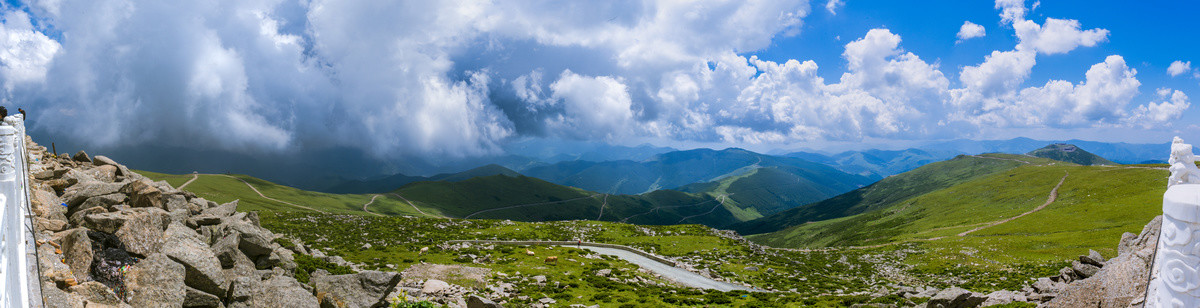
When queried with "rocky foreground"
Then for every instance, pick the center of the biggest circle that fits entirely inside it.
(108, 237)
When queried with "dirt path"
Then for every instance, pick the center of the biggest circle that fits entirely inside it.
(529, 204)
(185, 184)
(602, 207)
(665, 207)
(416, 208)
(1049, 200)
(719, 204)
(260, 194)
(369, 203)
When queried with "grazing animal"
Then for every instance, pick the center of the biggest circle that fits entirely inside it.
(528, 252)
(552, 259)
(423, 250)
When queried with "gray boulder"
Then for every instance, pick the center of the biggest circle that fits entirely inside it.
(78, 218)
(279, 291)
(106, 201)
(955, 297)
(203, 269)
(1122, 280)
(1093, 258)
(82, 157)
(175, 202)
(104, 173)
(199, 299)
(77, 251)
(96, 293)
(224, 210)
(105, 222)
(1003, 297)
(142, 233)
(1084, 270)
(143, 194)
(155, 282)
(53, 297)
(76, 194)
(478, 302)
(365, 289)
(101, 160)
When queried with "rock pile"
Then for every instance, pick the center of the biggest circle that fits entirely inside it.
(108, 237)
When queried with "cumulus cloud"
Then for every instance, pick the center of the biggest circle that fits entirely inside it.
(833, 5)
(449, 79)
(1171, 106)
(1179, 68)
(25, 53)
(970, 30)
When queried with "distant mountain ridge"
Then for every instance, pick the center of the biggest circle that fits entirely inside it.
(679, 168)
(1069, 153)
(389, 183)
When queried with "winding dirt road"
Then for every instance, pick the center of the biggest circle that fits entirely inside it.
(369, 203)
(414, 206)
(260, 194)
(185, 184)
(1049, 200)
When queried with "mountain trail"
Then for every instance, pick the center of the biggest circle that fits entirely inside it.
(185, 184)
(525, 205)
(260, 194)
(1049, 200)
(415, 206)
(369, 203)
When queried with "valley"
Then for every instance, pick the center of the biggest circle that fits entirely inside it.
(982, 222)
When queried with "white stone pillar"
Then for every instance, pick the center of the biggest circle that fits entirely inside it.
(1175, 277)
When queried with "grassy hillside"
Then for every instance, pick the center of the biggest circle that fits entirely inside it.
(530, 199)
(889, 191)
(1069, 153)
(392, 182)
(226, 188)
(1093, 207)
(518, 197)
(766, 191)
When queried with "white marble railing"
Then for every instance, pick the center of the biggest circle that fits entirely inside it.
(15, 225)
(1175, 276)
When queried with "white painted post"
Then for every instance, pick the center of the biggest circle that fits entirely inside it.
(1175, 276)
(13, 221)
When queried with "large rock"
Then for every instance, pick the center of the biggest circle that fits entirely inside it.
(105, 201)
(82, 157)
(105, 222)
(77, 251)
(365, 289)
(203, 270)
(142, 233)
(1093, 257)
(1003, 297)
(155, 282)
(51, 265)
(96, 293)
(101, 160)
(1084, 270)
(198, 299)
(478, 302)
(279, 291)
(434, 286)
(143, 194)
(955, 297)
(53, 297)
(76, 194)
(227, 251)
(224, 210)
(1122, 280)
(175, 202)
(104, 173)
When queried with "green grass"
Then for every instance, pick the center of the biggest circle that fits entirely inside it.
(222, 189)
(889, 191)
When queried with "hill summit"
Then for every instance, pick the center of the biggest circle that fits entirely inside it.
(1069, 153)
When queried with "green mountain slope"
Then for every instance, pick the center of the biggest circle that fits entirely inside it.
(1069, 153)
(530, 199)
(889, 191)
(389, 183)
(681, 168)
(488, 197)
(1093, 206)
(766, 191)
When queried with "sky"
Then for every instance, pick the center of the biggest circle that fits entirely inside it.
(451, 80)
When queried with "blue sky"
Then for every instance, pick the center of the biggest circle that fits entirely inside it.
(461, 79)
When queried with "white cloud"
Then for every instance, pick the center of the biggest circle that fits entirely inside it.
(1056, 36)
(597, 108)
(1179, 68)
(970, 30)
(1172, 106)
(1011, 10)
(833, 5)
(25, 54)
